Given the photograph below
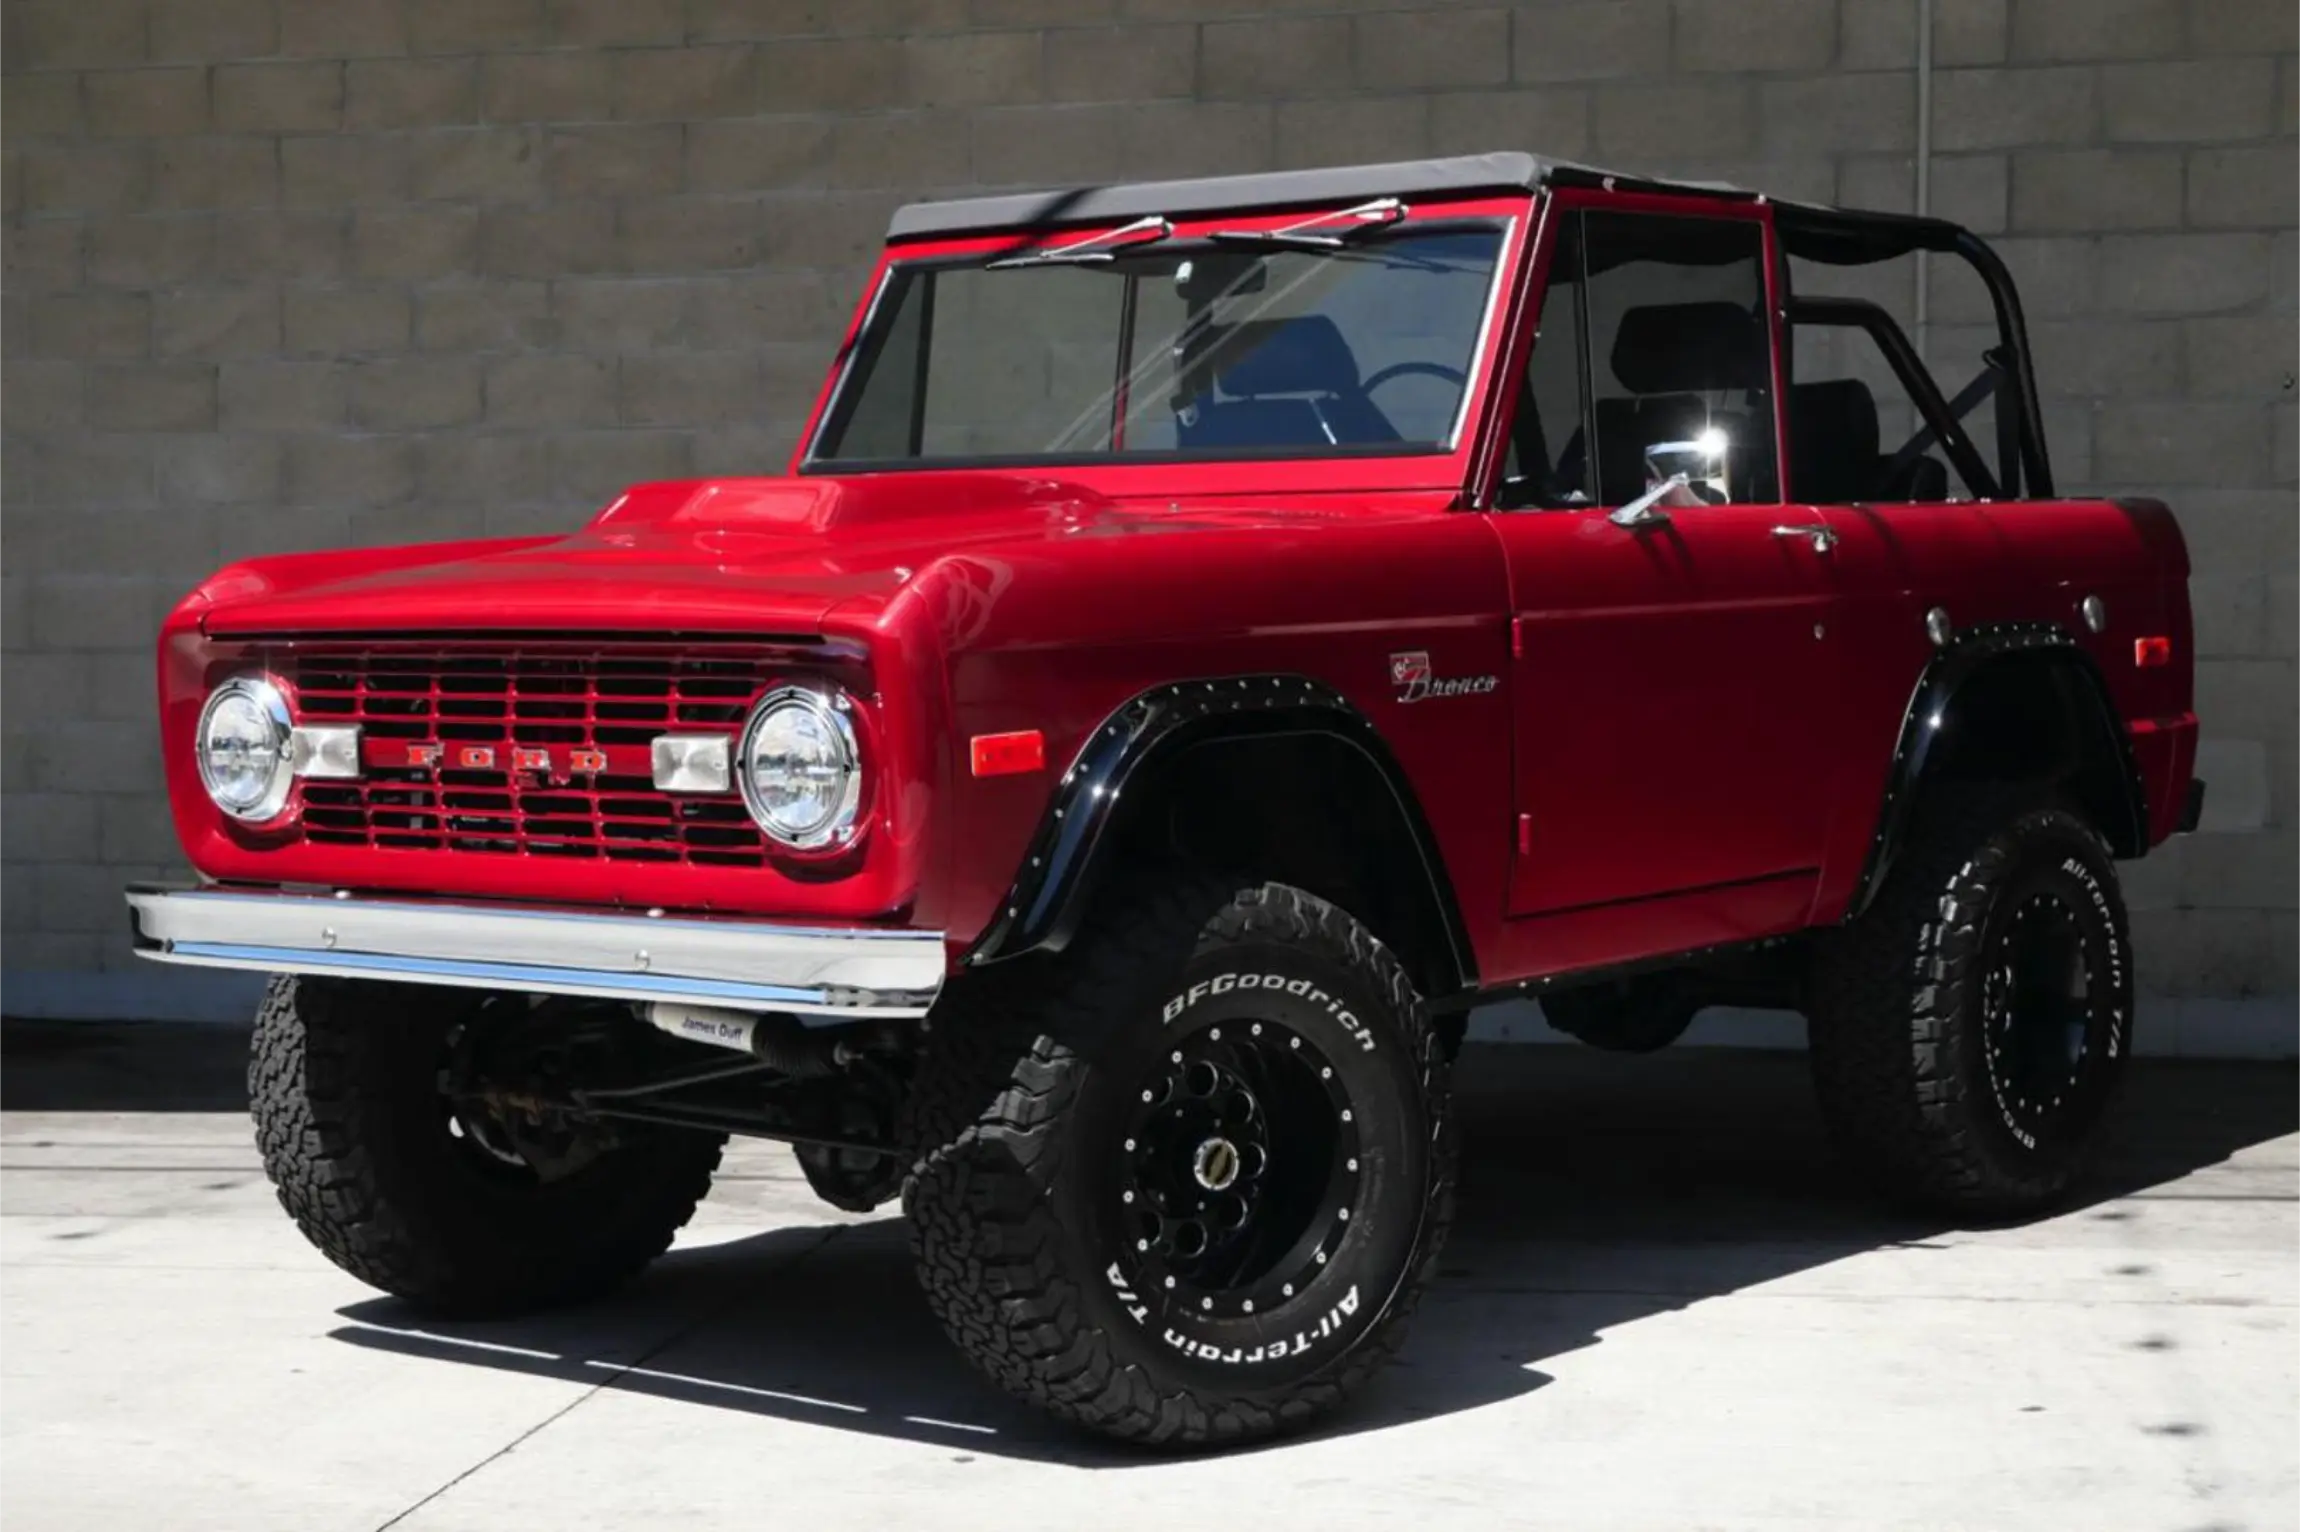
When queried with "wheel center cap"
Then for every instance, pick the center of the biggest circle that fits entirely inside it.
(1215, 1164)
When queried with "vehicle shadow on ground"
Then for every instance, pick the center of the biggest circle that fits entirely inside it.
(1598, 1191)
(122, 1066)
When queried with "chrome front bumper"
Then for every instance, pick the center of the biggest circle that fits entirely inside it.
(833, 973)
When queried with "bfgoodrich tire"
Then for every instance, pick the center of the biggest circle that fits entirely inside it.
(1970, 1029)
(392, 1183)
(1185, 1185)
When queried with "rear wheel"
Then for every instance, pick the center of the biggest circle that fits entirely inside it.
(1186, 1185)
(1969, 1030)
(460, 1204)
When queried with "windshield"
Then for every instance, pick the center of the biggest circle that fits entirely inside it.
(1170, 350)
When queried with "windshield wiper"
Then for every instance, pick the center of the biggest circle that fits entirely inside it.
(1366, 216)
(1094, 247)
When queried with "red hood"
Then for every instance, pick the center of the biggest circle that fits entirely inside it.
(728, 555)
(732, 555)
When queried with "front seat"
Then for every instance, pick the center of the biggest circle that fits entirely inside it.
(1833, 442)
(1833, 456)
(1277, 383)
(1670, 356)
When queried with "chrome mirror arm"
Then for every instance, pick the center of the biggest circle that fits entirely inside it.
(1644, 511)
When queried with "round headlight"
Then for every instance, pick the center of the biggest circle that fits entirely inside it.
(243, 748)
(801, 774)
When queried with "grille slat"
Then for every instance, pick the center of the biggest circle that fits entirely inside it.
(559, 701)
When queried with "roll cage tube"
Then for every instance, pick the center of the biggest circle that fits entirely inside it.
(1941, 423)
(2012, 330)
(1837, 237)
(1831, 236)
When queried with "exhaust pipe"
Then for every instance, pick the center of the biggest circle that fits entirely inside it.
(776, 1041)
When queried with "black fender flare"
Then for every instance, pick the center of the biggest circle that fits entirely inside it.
(1061, 869)
(1933, 702)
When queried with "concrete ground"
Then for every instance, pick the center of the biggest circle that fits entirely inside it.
(1664, 1308)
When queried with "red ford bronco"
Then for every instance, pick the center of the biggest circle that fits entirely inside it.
(1210, 636)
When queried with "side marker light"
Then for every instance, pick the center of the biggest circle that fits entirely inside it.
(1002, 755)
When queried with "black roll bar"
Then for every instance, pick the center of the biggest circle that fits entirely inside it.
(2013, 329)
(1939, 419)
(1843, 237)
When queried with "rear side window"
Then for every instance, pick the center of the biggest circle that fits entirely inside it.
(1654, 328)
(1870, 422)
(1854, 432)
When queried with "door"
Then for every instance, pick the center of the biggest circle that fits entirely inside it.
(1673, 677)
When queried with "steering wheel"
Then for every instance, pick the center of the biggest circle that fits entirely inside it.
(1453, 375)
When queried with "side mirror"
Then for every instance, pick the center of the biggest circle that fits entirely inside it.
(1645, 511)
(1696, 472)
(1702, 466)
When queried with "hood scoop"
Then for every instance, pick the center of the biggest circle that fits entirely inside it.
(817, 506)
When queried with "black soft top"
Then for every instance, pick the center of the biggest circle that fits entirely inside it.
(1836, 235)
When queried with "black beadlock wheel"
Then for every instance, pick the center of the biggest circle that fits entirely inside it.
(449, 1204)
(1240, 1168)
(1969, 1030)
(1185, 1185)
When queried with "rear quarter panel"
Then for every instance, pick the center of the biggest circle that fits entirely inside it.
(2021, 561)
(2129, 553)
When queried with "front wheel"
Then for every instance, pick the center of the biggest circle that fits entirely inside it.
(1186, 1186)
(455, 1204)
(1969, 1030)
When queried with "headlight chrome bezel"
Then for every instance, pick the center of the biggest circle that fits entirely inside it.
(835, 711)
(270, 701)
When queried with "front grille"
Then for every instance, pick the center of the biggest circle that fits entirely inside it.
(542, 751)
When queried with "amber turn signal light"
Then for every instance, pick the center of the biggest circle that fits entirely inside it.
(2148, 653)
(1001, 755)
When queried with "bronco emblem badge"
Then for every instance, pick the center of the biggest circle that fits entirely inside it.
(1411, 674)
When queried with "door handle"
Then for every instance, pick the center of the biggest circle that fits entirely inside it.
(1823, 538)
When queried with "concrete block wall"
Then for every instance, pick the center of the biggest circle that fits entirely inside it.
(287, 274)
